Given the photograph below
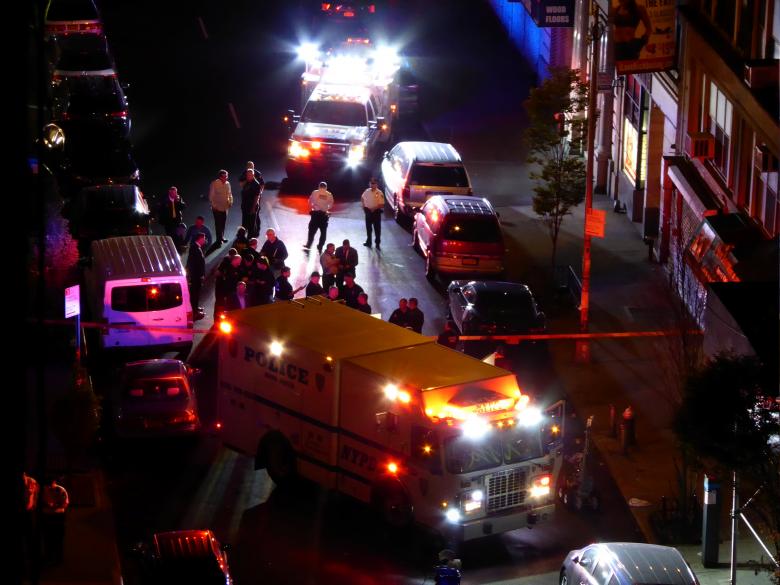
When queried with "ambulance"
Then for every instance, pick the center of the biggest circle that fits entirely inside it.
(422, 433)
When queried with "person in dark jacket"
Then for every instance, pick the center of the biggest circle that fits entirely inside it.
(261, 289)
(196, 271)
(400, 316)
(314, 288)
(449, 337)
(221, 285)
(351, 290)
(363, 305)
(238, 299)
(170, 212)
(274, 249)
(250, 204)
(199, 227)
(348, 259)
(283, 290)
(415, 317)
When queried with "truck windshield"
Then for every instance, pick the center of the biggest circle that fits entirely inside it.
(336, 113)
(464, 455)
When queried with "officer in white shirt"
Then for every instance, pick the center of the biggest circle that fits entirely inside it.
(373, 201)
(320, 203)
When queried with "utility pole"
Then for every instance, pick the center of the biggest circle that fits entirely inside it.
(596, 30)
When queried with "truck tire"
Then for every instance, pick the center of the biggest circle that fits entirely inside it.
(279, 458)
(394, 506)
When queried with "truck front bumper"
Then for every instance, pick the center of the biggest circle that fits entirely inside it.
(482, 527)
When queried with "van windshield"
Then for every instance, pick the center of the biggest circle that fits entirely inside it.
(337, 113)
(472, 229)
(438, 176)
(146, 297)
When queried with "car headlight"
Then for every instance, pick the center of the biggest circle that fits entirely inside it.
(357, 152)
(296, 150)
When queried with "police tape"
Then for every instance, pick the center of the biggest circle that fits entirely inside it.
(509, 339)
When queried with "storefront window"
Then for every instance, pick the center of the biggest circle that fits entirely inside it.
(635, 105)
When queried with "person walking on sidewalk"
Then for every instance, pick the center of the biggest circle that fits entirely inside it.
(250, 204)
(196, 271)
(373, 201)
(221, 199)
(320, 203)
(54, 504)
(170, 212)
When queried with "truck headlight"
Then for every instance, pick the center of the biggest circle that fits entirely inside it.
(472, 501)
(452, 515)
(296, 150)
(541, 486)
(357, 152)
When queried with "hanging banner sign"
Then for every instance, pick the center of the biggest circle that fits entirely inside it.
(644, 35)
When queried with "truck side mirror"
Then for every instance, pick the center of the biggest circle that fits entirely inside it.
(387, 421)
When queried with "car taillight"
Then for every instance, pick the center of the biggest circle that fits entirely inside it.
(122, 114)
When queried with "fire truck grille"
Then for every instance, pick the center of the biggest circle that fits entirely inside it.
(505, 489)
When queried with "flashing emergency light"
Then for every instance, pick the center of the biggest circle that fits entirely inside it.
(225, 327)
(391, 391)
(541, 486)
(276, 348)
(475, 428)
(308, 52)
(427, 449)
(392, 467)
(316, 145)
(522, 401)
(529, 417)
(296, 150)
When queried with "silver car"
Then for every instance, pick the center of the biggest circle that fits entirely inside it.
(626, 563)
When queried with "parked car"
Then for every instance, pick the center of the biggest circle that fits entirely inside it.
(494, 308)
(95, 155)
(194, 557)
(81, 103)
(106, 211)
(65, 17)
(83, 54)
(459, 235)
(156, 398)
(413, 172)
(626, 563)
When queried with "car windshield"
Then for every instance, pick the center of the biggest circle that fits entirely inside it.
(337, 113)
(146, 297)
(62, 10)
(438, 175)
(99, 154)
(463, 455)
(114, 207)
(84, 61)
(89, 104)
(158, 389)
(472, 229)
(506, 304)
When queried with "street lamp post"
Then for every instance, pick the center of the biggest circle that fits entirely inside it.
(595, 32)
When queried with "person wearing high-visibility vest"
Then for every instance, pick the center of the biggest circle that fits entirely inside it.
(54, 503)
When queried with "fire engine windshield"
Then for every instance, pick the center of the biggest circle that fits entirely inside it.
(463, 455)
(337, 113)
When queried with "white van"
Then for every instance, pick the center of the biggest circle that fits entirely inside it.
(140, 280)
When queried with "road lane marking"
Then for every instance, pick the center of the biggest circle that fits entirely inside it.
(235, 116)
(203, 29)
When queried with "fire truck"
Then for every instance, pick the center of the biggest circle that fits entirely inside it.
(421, 432)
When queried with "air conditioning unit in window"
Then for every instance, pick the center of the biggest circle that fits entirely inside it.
(764, 160)
(761, 73)
(701, 145)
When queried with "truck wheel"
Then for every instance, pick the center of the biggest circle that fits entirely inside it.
(395, 507)
(280, 462)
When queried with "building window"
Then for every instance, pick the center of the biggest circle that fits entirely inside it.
(720, 112)
(745, 29)
(725, 14)
(765, 207)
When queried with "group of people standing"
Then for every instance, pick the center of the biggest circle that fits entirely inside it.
(44, 511)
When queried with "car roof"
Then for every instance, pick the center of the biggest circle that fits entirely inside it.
(136, 257)
(465, 204)
(430, 152)
(340, 93)
(155, 368)
(498, 286)
(651, 563)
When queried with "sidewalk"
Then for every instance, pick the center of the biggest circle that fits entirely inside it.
(627, 293)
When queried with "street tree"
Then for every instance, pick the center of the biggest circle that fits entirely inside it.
(561, 175)
(730, 419)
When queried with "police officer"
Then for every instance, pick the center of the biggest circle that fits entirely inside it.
(373, 201)
(320, 204)
(283, 288)
(196, 270)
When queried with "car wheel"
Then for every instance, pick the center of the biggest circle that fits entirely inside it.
(280, 462)
(564, 580)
